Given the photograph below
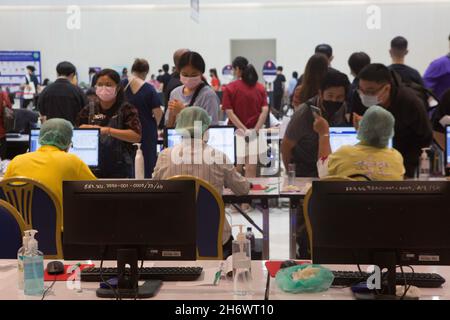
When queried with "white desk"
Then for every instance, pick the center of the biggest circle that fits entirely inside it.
(224, 291)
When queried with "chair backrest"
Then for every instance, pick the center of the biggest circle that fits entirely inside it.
(40, 210)
(307, 211)
(12, 227)
(210, 219)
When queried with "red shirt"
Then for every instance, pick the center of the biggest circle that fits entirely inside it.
(4, 103)
(245, 101)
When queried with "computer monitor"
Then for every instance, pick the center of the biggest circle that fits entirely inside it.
(381, 223)
(340, 136)
(155, 218)
(447, 150)
(85, 144)
(221, 138)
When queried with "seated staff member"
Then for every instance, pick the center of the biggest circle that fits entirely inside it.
(119, 124)
(378, 86)
(51, 164)
(371, 157)
(217, 169)
(195, 91)
(300, 143)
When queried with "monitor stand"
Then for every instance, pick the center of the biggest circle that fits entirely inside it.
(127, 286)
(385, 260)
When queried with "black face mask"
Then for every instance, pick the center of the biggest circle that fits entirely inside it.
(331, 107)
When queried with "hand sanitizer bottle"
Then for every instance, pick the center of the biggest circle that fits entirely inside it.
(242, 265)
(424, 170)
(139, 170)
(33, 267)
(20, 256)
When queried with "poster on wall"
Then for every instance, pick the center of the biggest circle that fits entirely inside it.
(227, 74)
(195, 10)
(269, 71)
(13, 67)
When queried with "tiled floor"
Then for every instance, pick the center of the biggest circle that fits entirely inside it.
(278, 226)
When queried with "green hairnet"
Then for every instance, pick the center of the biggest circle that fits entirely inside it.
(187, 118)
(56, 132)
(376, 127)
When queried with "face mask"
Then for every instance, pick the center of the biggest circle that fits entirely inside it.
(332, 106)
(368, 101)
(106, 94)
(191, 82)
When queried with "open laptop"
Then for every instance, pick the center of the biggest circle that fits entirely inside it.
(85, 144)
(341, 136)
(221, 138)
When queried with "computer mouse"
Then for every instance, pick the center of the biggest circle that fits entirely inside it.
(55, 268)
(287, 264)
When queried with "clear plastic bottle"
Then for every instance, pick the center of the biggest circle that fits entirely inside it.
(242, 265)
(20, 256)
(33, 267)
(424, 169)
(139, 170)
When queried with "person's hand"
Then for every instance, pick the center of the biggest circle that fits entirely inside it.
(356, 120)
(175, 106)
(89, 126)
(321, 126)
(241, 132)
(105, 131)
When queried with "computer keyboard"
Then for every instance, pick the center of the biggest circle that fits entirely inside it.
(153, 273)
(421, 280)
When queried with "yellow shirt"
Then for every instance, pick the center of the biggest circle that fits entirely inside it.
(49, 166)
(376, 163)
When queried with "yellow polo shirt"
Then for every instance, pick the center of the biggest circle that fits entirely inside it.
(376, 163)
(49, 166)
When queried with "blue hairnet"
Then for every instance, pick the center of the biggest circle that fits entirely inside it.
(188, 116)
(376, 127)
(56, 132)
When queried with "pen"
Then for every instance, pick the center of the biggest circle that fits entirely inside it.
(218, 274)
(271, 189)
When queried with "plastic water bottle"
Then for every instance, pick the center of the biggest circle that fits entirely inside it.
(33, 268)
(139, 170)
(242, 265)
(424, 169)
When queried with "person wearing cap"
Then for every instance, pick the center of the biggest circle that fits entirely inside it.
(193, 156)
(51, 164)
(371, 157)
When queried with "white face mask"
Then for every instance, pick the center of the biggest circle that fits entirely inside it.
(368, 101)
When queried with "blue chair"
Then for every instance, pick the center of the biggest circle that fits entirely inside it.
(210, 219)
(40, 210)
(12, 227)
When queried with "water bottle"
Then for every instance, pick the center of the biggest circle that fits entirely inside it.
(242, 265)
(424, 169)
(139, 170)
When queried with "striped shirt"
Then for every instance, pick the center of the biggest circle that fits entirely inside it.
(184, 159)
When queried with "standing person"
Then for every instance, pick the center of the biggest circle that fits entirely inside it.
(398, 52)
(165, 77)
(155, 83)
(174, 82)
(356, 62)
(61, 99)
(146, 100)
(379, 86)
(124, 75)
(4, 103)
(215, 82)
(292, 84)
(119, 124)
(194, 91)
(30, 87)
(315, 71)
(437, 75)
(245, 103)
(279, 86)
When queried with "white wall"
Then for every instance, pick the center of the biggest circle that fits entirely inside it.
(115, 37)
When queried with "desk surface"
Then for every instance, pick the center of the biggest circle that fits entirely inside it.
(20, 138)
(224, 291)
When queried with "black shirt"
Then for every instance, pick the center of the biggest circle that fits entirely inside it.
(278, 84)
(164, 79)
(407, 73)
(61, 99)
(412, 130)
(25, 120)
